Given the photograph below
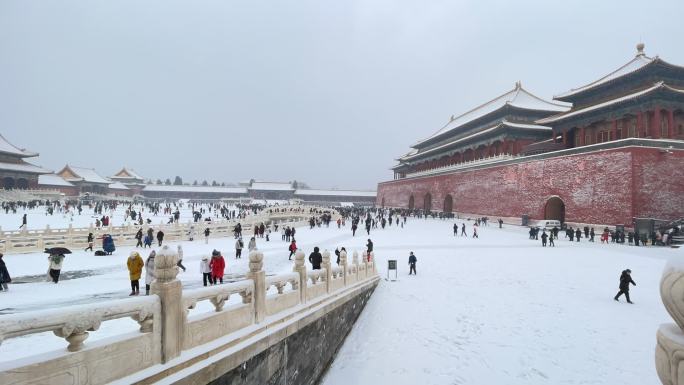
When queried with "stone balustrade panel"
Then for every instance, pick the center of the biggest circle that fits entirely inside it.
(97, 363)
(206, 327)
(283, 298)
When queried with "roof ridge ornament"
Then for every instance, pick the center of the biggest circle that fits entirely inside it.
(518, 85)
(640, 49)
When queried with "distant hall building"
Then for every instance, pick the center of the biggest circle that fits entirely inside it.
(15, 172)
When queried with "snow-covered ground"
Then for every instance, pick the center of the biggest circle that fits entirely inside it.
(503, 310)
(38, 218)
(495, 310)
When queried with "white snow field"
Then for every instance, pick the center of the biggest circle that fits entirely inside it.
(495, 310)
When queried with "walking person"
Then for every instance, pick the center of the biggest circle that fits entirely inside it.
(217, 265)
(4, 275)
(149, 271)
(544, 236)
(238, 248)
(463, 231)
(412, 263)
(91, 238)
(160, 237)
(455, 229)
(206, 235)
(206, 271)
(551, 244)
(135, 265)
(292, 249)
(55, 270)
(251, 246)
(139, 237)
(180, 258)
(23, 222)
(625, 280)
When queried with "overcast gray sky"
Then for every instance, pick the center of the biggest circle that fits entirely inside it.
(327, 92)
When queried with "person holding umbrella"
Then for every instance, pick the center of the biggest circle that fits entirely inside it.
(4, 275)
(55, 260)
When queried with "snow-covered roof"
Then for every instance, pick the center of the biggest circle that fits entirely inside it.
(126, 173)
(656, 87)
(8, 148)
(53, 180)
(200, 189)
(82, 174)
(518, 97)
(23, 167)
(504, 123)
(349, 193)
(271, 186)
(118, 186)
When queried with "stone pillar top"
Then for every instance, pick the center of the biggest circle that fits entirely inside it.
(165, 269)
(256, 261)
(299, 259)
(326, 256)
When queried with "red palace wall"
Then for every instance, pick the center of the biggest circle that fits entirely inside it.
(604, 187)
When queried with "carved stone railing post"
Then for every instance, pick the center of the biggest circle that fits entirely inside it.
(355, 263)
(300, 267)
(169, 290)
(355, 255)
(343, 264)
(258, 275)
(328, 271)
(669, 355)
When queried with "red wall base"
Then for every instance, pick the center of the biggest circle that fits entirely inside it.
(604, 187)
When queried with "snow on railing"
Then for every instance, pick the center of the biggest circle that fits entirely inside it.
(165, 320)
(75, 322)
(218, 295)
(33, 240)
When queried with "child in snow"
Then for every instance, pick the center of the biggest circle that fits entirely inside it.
(206, 271)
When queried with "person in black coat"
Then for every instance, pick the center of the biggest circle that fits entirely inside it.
(544, 236)
(160, 237)
(412, 263)
(315, 258)
(4, 275)
(139, 237)
(625, 280)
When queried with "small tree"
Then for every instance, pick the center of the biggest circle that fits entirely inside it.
(167, 182)
(178, 181)
(223, 184)
(205, 183)
(194, 183)
(159, 181)
(214, 183)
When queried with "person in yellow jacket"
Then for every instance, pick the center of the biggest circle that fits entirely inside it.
(135, 264)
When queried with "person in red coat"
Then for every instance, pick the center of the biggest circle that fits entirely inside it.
(217, 265)
(292, 248)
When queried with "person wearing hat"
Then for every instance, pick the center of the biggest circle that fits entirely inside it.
(206, 271)
(149, 271)
(315, 258)
(625, 280)
(135, 265)
(217, 265)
